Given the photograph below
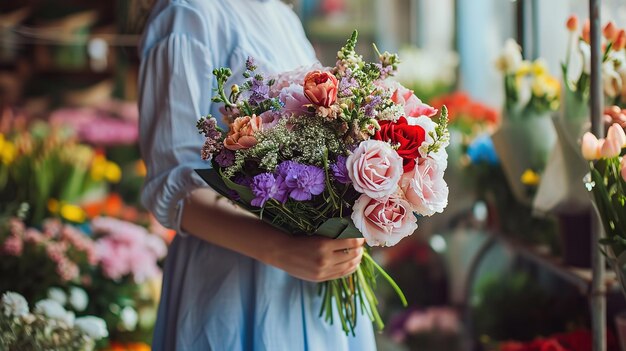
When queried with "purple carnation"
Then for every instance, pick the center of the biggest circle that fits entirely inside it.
(302, 181)
(340, 170)
(225, 158)
(266, 186)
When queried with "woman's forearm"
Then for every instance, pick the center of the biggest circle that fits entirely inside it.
(214, 219)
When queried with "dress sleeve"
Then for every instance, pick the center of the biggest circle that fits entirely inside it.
(175, 84)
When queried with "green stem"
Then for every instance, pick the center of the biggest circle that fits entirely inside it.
(387, 277)
(372, 302)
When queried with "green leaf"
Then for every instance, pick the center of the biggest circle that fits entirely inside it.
(339, 228)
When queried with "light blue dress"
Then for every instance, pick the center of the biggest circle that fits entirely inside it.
(213, 298)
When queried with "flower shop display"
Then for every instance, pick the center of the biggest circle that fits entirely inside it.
(46, 168)
(607, 184)
(48, 326)
(340, 152)
(561, 190)
(577, 340)
(428, 73)
(526, 135)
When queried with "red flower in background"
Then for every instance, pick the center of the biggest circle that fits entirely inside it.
(461, 106)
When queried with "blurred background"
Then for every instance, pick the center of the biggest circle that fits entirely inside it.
(501, 269)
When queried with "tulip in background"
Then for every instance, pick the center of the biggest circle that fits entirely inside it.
(607, 182)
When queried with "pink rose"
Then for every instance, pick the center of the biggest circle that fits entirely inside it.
(425, 189)
(383, 223)
(321, 88)
(413, 106)
(375, 168)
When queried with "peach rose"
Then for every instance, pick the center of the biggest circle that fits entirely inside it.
(425, 189)
(241, 133)
(413, 106)
(375, 168)
(321, 88)
(383, 222)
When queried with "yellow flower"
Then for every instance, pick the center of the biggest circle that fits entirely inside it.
(539, 67)
(73, 213)
(530, 178)
(546, 85)
(112, 172)
(7, 151)
(524, 69)
(98, 167)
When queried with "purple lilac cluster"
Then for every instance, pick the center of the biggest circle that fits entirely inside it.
(291, 180)
(213, 142)
(340, 170)
(346, 83)
(259, 91)
(370, 107)
(385, 71)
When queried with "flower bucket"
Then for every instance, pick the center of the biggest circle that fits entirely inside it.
(523, 142)
(561, 190)
(619, 266)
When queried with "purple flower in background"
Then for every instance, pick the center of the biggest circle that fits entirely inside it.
(340, 171)
(266, 186)
(212, 143)
(384, 70)
(242, 180)
(259, 91)
(302, 181)
(225, 158)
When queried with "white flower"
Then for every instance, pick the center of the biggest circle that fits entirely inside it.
(585, 52)
(429, 127)
(53, 310)
(14, 304)
(78, 299)
(511, 57)
(94, 327)
(57, 295)
(129, 318)
(611, 79)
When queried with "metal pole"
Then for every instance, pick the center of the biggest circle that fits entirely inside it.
(598, 294)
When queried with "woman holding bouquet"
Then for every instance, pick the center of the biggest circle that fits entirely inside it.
(231, 282)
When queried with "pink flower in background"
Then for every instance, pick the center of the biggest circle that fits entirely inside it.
(13, 246)
(97, 127)
(294, 99)
(623, 168)
(285, 79)
(125, 249)
(383, 222)
(375, 168)
(270, 119)
(425, 188)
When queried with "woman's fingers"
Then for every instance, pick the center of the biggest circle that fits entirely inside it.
(343, 244)
(347, 255)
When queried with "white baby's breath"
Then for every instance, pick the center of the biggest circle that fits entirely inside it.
(94, 327)
(14, 304)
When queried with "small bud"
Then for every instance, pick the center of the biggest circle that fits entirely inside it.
(234, 89)
(572, 23)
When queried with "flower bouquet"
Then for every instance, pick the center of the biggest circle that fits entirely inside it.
(526, 135)
(566, 165)
(607, 182)
(341, 152)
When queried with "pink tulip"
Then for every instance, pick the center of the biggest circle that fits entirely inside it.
(591, 147)
(616, 133)
(610, 148)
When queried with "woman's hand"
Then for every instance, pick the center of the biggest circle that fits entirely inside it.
(316, 259)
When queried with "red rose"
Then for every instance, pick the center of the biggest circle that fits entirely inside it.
(321, 88)
(407, 138)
